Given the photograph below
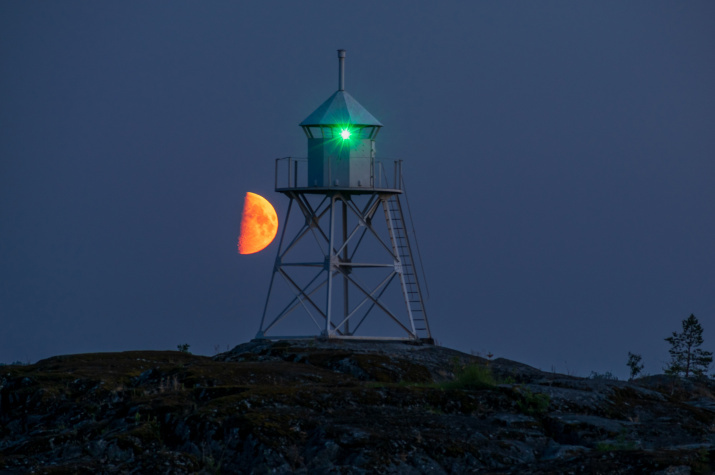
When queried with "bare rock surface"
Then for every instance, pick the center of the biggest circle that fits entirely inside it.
(312, 406)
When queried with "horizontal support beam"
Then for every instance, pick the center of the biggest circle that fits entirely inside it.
(302, 264)
(363, 264)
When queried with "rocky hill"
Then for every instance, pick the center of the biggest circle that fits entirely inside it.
(343, 407)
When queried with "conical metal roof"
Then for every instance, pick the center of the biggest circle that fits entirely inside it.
(341, 109)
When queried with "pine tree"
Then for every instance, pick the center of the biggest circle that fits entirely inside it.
(685, 356)
(634, 363)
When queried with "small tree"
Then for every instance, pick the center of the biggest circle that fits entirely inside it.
(634, 363)
(685, 356)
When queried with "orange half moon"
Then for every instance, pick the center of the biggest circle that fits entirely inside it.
(259, 224)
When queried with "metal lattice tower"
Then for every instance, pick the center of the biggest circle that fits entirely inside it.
(350, 230)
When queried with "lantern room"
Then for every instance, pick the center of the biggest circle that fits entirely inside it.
(341, 140)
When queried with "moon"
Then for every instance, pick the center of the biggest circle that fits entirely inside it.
(259, 224)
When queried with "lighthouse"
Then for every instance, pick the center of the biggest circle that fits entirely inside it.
(345, 266)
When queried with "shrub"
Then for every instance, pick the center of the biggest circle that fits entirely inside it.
(14, 363)
(472, 376)
(531, 403)
(621, 443)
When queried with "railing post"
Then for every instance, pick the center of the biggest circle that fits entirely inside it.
(290, 169)
(275, 175)
(295, 174)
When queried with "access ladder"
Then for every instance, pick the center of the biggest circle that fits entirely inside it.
(405, 266)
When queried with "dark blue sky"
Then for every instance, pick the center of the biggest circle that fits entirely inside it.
(560, 158)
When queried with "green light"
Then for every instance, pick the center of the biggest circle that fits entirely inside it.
(345, 134)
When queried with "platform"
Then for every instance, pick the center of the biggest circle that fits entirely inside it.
(291, 175)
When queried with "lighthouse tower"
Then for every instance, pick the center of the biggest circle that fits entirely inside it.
(345, 266)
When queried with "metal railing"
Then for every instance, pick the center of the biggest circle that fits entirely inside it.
(292, 172)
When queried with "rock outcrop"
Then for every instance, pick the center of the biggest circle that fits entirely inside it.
(343, 407)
